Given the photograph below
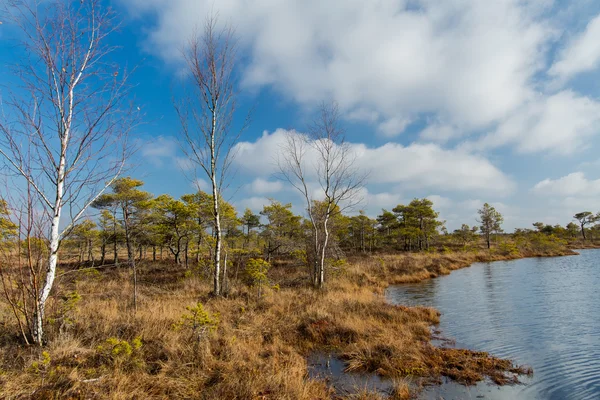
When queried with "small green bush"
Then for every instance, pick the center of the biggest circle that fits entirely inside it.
(508, 248)
(256, 273)
(337, 267)
(198, 320)
(41, 366)
(120, 352)
(300, 256)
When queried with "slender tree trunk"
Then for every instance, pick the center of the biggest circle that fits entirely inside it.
(237, 268)
(362, 239)
(317, 249)
(199, 241)
(103, 253)
(130, 256)
(321, 277)
(225, 282)
(116, 252)
(115, 238)
(90, 250)
(38, 317)
(38, 328)
(153, 252)
(218, 235)
(187, 246)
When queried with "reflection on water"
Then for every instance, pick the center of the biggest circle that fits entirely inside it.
(543, 312)
(331, 369)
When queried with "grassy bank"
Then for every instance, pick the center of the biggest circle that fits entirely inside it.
(386, 270)
(242, 347)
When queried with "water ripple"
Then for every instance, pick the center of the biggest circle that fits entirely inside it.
(543, 312)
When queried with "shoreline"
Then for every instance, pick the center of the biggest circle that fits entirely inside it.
(453, 388)
(259, 344)
(445, 270)
(403, 268)
(396, 270)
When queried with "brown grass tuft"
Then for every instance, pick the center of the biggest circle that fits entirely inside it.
(258, 350)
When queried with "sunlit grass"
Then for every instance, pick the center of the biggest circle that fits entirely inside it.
(259, 347)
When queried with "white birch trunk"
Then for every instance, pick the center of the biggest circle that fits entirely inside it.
(321, 281)
(216, 211)
(38, 328)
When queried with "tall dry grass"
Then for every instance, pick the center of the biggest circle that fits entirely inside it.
(99, 349)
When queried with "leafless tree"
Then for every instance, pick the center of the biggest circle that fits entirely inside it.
(65, 123)
(23, 255)
(322, 155)
(206, 113)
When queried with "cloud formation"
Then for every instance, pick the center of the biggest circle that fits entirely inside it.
(477, 78)
(561, 123)
(572, 185)
(569, 195)
(159, 150)
(263, 186)
(581, 54)
(417, 166)
(471, 61)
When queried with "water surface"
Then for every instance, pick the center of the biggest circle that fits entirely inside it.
(543, 312)
(328, 367)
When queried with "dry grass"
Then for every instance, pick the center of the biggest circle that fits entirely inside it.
(259, 347)
(385, 270)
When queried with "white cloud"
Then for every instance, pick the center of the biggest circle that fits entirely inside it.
(363, 114)
(467, 68)
(469, 60)
(255, 203)
(440, 202)
(575, 205)
(387, 127)
(383, 200)
(560, 123)
(473, 65)
(262, 186)
(572, 185)
(415, 166)
(562, 198)
(163, 150)
(259, 157)
(471, 204)
(372, 203)
(441, 133)
(158, 150)
(581, 54)
(393, 126)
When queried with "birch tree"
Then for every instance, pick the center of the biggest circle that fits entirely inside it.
(324, 156)
(64, 123)
(206, 113)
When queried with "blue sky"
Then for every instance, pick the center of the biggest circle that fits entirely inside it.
(463, 101)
